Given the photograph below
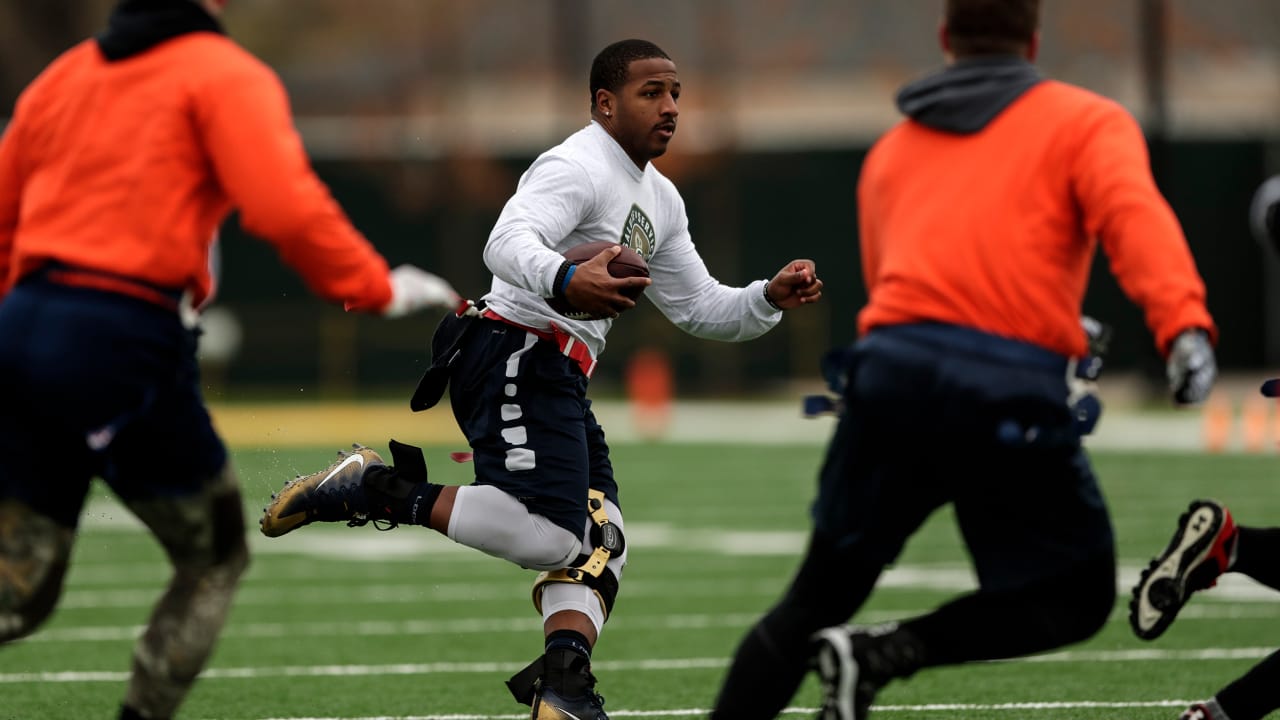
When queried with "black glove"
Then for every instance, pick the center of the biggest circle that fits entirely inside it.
(1264, 213)
(1191, 367)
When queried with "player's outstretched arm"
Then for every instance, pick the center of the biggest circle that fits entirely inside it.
(795, 284)
(414, 289)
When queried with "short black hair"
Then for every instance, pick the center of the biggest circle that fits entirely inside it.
(991, 27)
(609, 69)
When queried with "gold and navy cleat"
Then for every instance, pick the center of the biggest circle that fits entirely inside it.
(334, 494)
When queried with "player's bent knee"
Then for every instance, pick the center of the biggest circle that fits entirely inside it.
(1089, 594)
(545, 546)
(590, 585)
(203, 531)
(553, 548)
(24, 608)
(34, 552)
(230, 549)
(574, 589)
(1100, 598)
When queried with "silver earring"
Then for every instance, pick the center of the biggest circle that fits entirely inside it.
(608, 114)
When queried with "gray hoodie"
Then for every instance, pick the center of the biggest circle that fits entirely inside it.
(966, 95)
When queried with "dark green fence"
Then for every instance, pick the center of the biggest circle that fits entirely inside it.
(749, 214)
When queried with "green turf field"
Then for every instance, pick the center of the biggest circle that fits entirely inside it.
(334, 622)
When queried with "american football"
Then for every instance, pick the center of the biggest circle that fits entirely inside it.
(627, 264)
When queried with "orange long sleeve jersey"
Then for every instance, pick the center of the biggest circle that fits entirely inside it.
(129, 167)
(996, 230)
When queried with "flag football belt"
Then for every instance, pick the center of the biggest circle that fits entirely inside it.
(70, 276)
(570, 346)
(592, 572)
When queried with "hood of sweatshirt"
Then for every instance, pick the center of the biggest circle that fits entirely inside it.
(138, 25)
(968, 94)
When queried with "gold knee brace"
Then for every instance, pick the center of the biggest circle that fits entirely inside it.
(594, 571)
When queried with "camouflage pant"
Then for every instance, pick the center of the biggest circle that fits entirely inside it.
(203, 536)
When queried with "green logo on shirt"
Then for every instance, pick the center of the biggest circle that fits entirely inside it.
(637, 233)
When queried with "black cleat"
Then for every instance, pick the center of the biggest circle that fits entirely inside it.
(854, 662)
(559, 686)
(846, 692)
(1200, 551)
(1198, 711)
(548, 705)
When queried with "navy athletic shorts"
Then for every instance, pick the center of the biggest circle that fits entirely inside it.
(937, 415)
(98, 384)
(523, 407)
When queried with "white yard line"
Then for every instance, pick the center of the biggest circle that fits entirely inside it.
(948, 577)
(807, 712)
(979, 707)
(651, 665)
(469, 626)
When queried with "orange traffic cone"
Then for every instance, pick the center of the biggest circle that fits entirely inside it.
(649, 388)
(1216, 423)
(1255, 417)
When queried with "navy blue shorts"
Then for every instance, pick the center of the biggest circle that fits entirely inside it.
(523, 407)
(97, 384)
(940, 414)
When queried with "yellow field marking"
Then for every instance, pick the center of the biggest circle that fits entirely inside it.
(252, 425)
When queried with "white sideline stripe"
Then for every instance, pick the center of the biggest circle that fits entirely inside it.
(463, 626)
(942, 578)
(661, 665)
(702, 712)
(1057, 705)
(1131, 655)
(394, 629)
(331, 593)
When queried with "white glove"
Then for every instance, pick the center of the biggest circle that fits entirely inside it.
(1191, 367)
(413, 289)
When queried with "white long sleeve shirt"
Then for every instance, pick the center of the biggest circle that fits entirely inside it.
(587, 189)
